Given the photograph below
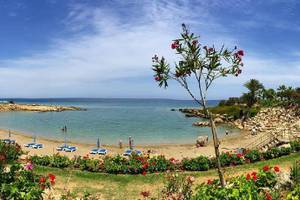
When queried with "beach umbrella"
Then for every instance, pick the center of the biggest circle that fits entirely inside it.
(98, 143)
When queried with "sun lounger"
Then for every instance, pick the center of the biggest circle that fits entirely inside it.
(37, 146)
(99, 151)
(70, 149)
(128, 152)
(62, 147)
(29, 145)
(9, 141)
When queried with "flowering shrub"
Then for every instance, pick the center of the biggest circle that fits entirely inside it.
(178, 187)
(159, 164)
(142, 165)
(17, 180)
(252, 156)
(229, 159)
(9, 152)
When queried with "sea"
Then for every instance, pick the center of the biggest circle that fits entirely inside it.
(147, 121)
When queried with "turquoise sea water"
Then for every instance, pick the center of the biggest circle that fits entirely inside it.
(148, 121)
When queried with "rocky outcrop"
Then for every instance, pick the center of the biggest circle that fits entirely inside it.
(7, 107)
(201, 123)
(202, 141)
(278, 121)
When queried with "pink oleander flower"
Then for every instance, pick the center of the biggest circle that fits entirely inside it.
(28, 166)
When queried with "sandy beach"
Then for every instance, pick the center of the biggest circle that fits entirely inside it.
(177, 151)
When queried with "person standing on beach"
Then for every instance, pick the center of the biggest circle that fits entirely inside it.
(130, 143)
(120, 144)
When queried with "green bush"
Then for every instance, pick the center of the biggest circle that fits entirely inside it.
(294, 194)
(41, 160)
(200, 163)
(158, 164)
(59, 161)
(295, 145)
(115, 165)
(252, 156)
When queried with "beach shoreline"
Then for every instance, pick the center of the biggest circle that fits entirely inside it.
(177, 151)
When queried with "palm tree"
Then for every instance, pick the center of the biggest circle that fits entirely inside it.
(255, 88)
(269, 94)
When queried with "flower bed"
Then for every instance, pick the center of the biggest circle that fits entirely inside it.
(142, 165)
(17, 180)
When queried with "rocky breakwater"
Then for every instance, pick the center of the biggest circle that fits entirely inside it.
(8, 107)
(280, 121)
(191, 112)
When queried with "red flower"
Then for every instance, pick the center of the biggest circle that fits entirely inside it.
(268, 196)
(266, 168)
(248, 177)
(253, 173)
(194, 42)
(145, 194)
(175, 44)
(210, 49)
(276, 169)
(144, 173)
(42, 179)
(209, 182)
(157, 78)
(254, 177)
(2, 157)
(51, 178)
(145, 165)
(240, 53)
(239, 155)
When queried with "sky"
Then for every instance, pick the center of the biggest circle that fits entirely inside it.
(103, 48)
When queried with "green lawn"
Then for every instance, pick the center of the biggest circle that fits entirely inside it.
(129, 186)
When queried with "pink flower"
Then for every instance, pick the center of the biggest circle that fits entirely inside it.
(157, 78)
(190, 179)
(239, 155)
(28, 166)
(240, 53)
(175, 44)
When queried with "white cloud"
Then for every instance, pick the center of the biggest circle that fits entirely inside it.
(99, 62)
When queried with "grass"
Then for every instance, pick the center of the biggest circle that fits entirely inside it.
(111, 186)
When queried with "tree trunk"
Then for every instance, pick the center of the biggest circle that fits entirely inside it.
(216, 146)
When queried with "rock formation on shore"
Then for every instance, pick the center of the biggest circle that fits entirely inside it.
(7, 107)
(277, 120)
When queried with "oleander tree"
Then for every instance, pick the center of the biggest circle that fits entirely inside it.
(200, 66)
